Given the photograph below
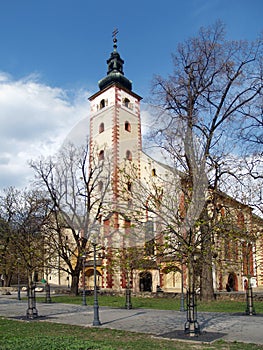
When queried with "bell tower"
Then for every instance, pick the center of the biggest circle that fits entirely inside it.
(115, 124)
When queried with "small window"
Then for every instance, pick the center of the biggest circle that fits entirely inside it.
(153, 172)
(101, 155)
(127, 126)
(129, 186)
(128, 155)
(102, 104)
(101, 128)
(126, 102)
(100, 185)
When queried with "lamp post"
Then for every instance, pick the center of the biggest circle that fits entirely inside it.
(31, 310)
(31, 292)
(182, 279)
(96, 320)
(47, 289)
(68, 279)
(83, 279)
(250, 310)
(128, 304)
(182, 287)
(18, 279)
(191, 325)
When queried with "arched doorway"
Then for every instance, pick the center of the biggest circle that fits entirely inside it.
(89, 278)
(145, 281)
(232, 282)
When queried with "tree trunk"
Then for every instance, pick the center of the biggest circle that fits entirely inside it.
(206, 279)
(75, 283)
(8, 280)
(206, 274)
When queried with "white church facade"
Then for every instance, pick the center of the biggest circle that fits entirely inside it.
(115, 136)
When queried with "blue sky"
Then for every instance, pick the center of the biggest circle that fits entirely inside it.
(53, 52)
(67, 42)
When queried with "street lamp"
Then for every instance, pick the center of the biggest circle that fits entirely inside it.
(68, 278)
(18, 279)
(182, 287)
(182, 281)
(96, 320)
(47, 289)
(192, 326)
(128, 304)
(83, 279)
(250, 310)
(31, 310)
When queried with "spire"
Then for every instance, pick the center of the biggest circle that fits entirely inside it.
(115, 68)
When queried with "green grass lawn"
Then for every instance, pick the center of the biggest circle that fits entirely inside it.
(17, 335)
(158, 303)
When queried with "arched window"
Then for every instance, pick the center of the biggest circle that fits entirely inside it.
(102, 104)
(153, 172)
(127, 126)
(126, 102)
(101, 155)
(128, 155)
(101, 128)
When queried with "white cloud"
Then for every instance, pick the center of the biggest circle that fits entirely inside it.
(35, 120)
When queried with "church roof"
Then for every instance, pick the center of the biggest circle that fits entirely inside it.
(115, 72)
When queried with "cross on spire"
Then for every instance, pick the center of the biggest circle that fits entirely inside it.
(114, 34)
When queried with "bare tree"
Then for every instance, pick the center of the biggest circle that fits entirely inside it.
(26, 213)
(8, 253)
(215, 83)
(251, 127)
(76, 182)
(251, 173)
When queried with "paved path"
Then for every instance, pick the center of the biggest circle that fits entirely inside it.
(232, 327)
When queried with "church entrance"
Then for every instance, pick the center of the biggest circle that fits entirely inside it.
(232, 283)
(145, 282)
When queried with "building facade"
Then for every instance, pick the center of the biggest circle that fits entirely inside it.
(115, 134)
(137, 253)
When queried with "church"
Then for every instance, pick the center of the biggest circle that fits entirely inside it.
(115, 134)
(116, 139)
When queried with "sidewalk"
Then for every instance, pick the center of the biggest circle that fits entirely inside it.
(230, 327)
